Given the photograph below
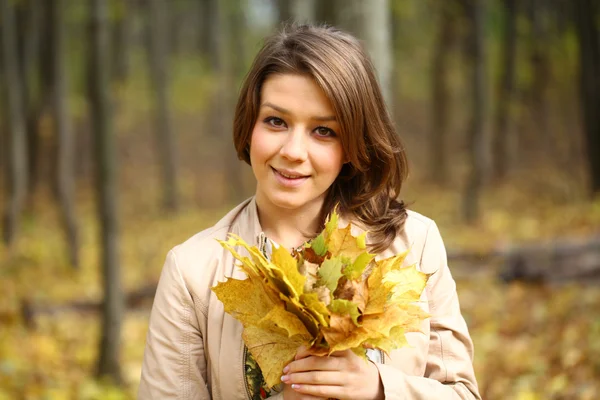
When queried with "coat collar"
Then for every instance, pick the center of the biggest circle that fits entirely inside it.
(245, 222)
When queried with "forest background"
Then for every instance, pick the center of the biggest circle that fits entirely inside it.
(115, 122)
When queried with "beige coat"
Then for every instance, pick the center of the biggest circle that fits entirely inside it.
(195, 351)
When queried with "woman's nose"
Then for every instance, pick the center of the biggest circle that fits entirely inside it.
(294, 147)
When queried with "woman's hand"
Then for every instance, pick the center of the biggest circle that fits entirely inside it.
(342, 375)
(291, 394)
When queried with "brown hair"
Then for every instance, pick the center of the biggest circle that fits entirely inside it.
(369, 184)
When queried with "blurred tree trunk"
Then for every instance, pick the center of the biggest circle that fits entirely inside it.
(374, 22)
(204, 18)
(212, 11)
(39, 102)
(165, 140)
(238, 43)
(35, 88)
(175, 23)
(303, 11)
(65, 155)
(374, 27)
(122, 36)
(541, 74)
(586, 15)
(444, 42)
(224, 70)
(17, 173)
(106, 185)
(476, 136)
(502, 133)
(184, 26)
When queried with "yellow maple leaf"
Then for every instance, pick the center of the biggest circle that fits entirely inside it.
(395, 340)
(256, 305)
(342, 242)
(407, 316)
(408, 283)
(271, 333)
(341, 327)
(284, 276)
(392, 263)
(316, 307)
(248, 265)
(380, 292)
(296, 307)
(287, 269)
(281, 318)
(272, 349)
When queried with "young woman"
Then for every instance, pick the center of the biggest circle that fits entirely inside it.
(312, 123)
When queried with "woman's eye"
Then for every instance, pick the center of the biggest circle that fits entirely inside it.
(325, 132)
(275, 122)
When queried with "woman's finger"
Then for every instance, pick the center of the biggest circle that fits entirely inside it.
(291, 394)
(334, 378)
(314, 363)
(320, 391)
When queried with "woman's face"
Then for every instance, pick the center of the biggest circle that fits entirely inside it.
(295, 150)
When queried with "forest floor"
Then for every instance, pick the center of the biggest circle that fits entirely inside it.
(532, 341)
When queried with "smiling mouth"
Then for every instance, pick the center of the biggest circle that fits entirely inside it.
(289, 175)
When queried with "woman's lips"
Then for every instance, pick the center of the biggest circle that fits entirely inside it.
(289, 178)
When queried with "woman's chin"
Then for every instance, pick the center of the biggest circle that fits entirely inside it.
(290, 202)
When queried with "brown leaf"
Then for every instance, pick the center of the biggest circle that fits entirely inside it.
(355, 291)
(340, 328)
(310, 255)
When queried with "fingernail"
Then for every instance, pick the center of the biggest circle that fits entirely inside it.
(285, 378)
(286, 369)
(295, 386)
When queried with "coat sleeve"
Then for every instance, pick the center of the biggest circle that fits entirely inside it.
(449, 370)
(174, 365)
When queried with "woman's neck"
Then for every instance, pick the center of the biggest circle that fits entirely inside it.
(289, 228)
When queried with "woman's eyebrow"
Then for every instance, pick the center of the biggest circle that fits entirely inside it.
(284, 111)
(274, 107)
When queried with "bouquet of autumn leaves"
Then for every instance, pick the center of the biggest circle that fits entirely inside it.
(332, 295)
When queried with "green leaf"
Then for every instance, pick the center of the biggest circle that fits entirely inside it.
(319, 246)
(330, 273)
(355, 270)
(345, 307)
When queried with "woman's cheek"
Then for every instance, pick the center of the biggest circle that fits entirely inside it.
(259, 145)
